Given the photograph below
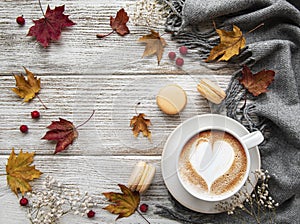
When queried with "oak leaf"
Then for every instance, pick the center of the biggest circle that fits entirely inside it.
(231, 42)
(19, 172)
(140, 124)
(62, 131)
(256, 83)
(50, 27)
(27, 89)
(154, 45)
(124, 204)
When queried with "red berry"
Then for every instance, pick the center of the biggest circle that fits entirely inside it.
(23, 128)
(172, 55)
(183, 50)
(143, 207)
(23, 201)
(20, 20)
(35, 114)
(179, 62)
(91, 214)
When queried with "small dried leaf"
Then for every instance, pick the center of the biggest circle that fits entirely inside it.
(154, 45)
(124, 204)
(140, 124)
(19, 172)
(230, 44)
(62, 131)
(256, 83)
(27, 89)
(118, 24)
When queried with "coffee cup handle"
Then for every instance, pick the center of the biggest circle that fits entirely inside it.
(253, 139)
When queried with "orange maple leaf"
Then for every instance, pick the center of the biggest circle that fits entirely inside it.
(140, 124)
(231, 42)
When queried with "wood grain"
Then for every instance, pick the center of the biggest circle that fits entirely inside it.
(79, 74)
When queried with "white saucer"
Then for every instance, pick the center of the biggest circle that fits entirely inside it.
(171, 152)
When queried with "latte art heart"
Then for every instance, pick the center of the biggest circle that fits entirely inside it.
(211, 160)
(212, 163)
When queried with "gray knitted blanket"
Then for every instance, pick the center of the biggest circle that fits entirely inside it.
(274, 46)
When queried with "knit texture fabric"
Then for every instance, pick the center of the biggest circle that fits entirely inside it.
(273, 46)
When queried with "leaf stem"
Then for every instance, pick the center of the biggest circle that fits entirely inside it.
(42, 102)
(255, 28)
(86, 120)
(41, 7)
(3, 174)
(104, 35)
(143, 216)
(136, 107)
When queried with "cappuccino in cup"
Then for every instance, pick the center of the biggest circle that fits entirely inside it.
(213, 164)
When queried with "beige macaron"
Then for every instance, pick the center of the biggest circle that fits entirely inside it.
(171, 99)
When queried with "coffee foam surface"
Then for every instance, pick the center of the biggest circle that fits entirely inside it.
(212, 162)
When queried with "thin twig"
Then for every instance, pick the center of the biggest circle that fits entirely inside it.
(255, 28)
(143, 216)
(41, 7)
(136, 107)
(86, 120)
(42, 102)
(104, 35)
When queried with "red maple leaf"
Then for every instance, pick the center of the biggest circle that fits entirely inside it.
(256, 83)
(118, 24)
(62, 131)
(50, 27)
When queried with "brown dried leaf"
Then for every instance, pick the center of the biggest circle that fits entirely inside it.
(256, 83)
(155, 45)
(118, 24)
(140, 124)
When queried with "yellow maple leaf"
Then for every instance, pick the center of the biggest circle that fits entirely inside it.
(27, 89)
(154, 45)
(124, 204)
(19, 172)
(231, 42)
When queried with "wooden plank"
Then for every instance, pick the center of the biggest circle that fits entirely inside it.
(79, 51)
(94, 175)
(113, 98)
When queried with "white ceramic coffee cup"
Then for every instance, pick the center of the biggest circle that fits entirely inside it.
(247, 141)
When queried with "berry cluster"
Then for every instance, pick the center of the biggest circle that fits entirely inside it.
(179, 60)
(34, 115)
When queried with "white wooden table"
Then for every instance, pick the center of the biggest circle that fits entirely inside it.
(79, 74)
